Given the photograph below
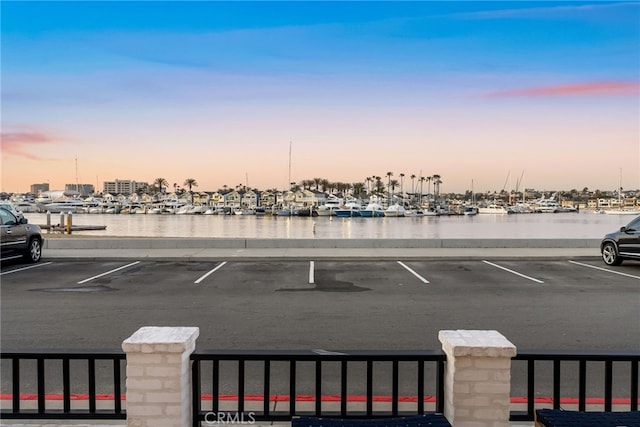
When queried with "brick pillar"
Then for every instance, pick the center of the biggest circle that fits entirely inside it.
(477, 378)
(159, 376)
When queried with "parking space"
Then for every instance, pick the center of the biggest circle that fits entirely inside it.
(321, 304)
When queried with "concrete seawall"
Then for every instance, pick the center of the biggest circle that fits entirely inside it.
(196, 243)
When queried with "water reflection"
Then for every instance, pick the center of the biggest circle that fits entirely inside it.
(565, 225)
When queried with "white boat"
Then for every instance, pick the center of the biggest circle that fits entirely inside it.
(372, 210)
(411, 212)
(493, 209)
(622, 211)
(139, 210)
(521, 208)
(547, 206)
(197, 210)
(11, 208)
(563, 209)
(395, 210)
(155, 210)
(63, 205)
(183, 210)
(25, 206)
(285, 211)
(470, 210)
(328, 208)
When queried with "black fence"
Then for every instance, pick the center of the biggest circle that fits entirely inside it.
(397, 378)
(78, 372)
(554, 373)
(277, 385)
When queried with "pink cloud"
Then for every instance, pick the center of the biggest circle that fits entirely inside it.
(18, 143)
(596, 88)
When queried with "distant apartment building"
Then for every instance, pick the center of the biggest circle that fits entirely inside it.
(39, 188)
(122, 186)
(83, 189)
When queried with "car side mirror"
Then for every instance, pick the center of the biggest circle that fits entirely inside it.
(23, 221)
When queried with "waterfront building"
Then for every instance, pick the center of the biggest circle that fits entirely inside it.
(268, 199)
(249, 199)
(216, 200)
(233, 199)
(201, 198)
(123, 186)
(39, 188)
(305, 198)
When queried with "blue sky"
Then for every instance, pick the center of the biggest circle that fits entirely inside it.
(216, 91)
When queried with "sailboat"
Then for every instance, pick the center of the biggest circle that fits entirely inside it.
(472, 209)
(287, 207)
(621, 209)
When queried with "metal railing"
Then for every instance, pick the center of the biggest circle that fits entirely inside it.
(372, 372)
(272, 384)
(58, 367)
(596, 366)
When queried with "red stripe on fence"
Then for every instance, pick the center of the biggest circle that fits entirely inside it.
(325, 398)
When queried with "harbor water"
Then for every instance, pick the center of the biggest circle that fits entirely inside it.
(521, 226)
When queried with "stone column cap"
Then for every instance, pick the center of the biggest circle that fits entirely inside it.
(476, 343)
(162, 339)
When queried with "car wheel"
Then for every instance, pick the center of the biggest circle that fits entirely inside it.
(610, 254)
(34, 251)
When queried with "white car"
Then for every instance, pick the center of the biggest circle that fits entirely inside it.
(8, 206)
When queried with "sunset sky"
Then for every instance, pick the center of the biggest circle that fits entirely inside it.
(217, 91)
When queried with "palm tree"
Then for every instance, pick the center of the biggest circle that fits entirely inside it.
(379, 186)
(413, 187)
(368, 181)
(358, 188)
(389, 175)
(317, 182)
(160, 182)
(436, 185)
(190, 182)
(422, 180)
(393, 183)
(325, 185)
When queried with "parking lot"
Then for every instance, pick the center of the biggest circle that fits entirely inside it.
(391, 304)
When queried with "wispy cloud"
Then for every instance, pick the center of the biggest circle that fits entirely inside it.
(18, 144)
(545, 10)
(611, 88)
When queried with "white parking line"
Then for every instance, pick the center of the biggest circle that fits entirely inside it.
(210, 272)
(514, 272)
(605, 269)
(422, 279)
(312, 278)
(26, 268)
(108, 272)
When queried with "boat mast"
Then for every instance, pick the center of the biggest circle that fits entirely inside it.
(289, 184)
(77, 185)
(620, 192)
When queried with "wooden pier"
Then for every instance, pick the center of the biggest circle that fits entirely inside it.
(63, 229)
(66, 225)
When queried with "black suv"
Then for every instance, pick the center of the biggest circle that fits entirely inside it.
(621, 245)
(18, 238)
